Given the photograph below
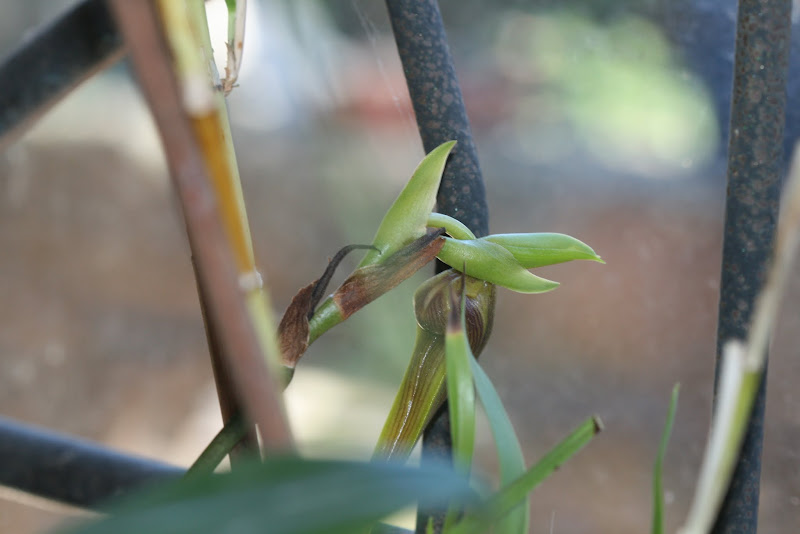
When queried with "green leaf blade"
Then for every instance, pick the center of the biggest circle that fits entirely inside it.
(509, 497)
(658, 486)
(460, 389)
(407, 219)
(509, 452)
(491, 262)
(420, 394)
(541, 249)
(282, 496)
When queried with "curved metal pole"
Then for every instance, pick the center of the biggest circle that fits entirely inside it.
(441, 116)
(755, 168)
(70, 470)
(53, 61)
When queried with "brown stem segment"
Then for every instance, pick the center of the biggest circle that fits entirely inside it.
(322, 284)
(229, 404)
(216, 268)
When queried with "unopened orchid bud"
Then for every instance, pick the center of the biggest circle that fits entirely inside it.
(423, 389)
(407, 218)
(432, 305)
(540, 249)
(491, 262)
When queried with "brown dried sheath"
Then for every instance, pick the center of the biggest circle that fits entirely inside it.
(368, 283)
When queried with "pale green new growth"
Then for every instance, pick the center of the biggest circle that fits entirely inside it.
(460, 390)
(491, 262)
(407, 219)
(454, 227)
(540, 249)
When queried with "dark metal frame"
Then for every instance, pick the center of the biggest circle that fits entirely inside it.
(85, 40)
(755, 170)
(53, 61)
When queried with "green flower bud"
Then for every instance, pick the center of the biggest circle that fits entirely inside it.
(538, 250)
(489, 261)
(407, 219)
(433, 306)
(423, 389)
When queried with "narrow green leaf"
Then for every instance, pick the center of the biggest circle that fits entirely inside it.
(491, 262)
(509, 497)
(407, 219)
(460, 389)
(509, 451)
(282, 496)
(454, 227)
(658, 486)
(420, 394)
(538, 250)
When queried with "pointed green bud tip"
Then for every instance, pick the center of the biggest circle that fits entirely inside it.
(540, 249)
(493, 263)
(407, 218)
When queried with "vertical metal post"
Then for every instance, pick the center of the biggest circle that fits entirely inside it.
(441, 116)
(755, 167)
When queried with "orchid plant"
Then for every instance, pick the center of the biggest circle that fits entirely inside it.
(454, 312)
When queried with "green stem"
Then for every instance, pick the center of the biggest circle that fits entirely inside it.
(326, 317)
(225, 440)
(454, 227)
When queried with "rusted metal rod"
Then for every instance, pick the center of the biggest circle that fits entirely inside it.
(755, 169)
(70, 470)
(54, 60)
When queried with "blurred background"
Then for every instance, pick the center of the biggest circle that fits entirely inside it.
(606, 120)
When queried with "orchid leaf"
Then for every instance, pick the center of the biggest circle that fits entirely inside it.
(540, 249)
(407, 219)
(421, 393)
(510, 496)
(424, 388)
(491, 262)
(509, 451)
(460, 389)
(282, 495)
(658, 485)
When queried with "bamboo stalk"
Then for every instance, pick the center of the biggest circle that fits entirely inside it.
(191, 47)
(174, 97)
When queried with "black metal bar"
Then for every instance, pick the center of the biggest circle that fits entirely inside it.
(441, 116)
(70, 470)
(56, 58)
(755, 168)
(439, 107)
